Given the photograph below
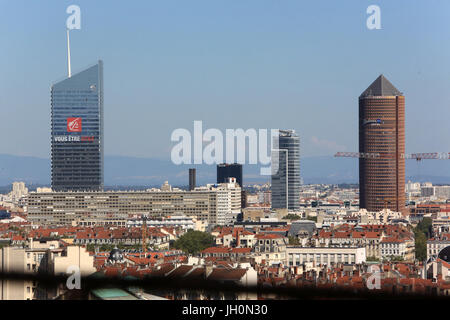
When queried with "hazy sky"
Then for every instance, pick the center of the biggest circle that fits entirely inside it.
(233, 64)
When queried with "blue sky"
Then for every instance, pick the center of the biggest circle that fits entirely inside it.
(232, 64)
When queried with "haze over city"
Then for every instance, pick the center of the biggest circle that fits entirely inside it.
(232, 65)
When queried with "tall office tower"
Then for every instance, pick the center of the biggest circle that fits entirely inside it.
(225, 171)
(286, 180)
(382, 130)
(77, 131)
(191, 179)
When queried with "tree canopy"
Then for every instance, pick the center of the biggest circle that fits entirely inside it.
(292, 216)
(421, 233)
(194, 241)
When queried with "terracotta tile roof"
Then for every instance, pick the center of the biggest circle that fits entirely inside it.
(163, 271)
(217, 250)
(180, 271)
(241, 250)
(269, 236)
(197, 273)
(394, 240)
(139, 260)
(225, 274)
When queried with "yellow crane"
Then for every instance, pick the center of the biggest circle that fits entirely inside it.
(144, 235)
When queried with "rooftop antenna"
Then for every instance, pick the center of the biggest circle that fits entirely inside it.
(68, 54)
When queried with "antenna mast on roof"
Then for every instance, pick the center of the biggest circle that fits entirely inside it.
(68, 54)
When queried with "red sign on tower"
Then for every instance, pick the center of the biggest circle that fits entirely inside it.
(73, 124)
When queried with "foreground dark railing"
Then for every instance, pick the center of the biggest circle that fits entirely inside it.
(177, 284)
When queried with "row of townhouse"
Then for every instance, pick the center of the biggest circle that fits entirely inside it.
(267, 246)
(398, 247)
(369, 240)
(229, 236)
(121, 236)
(226, 253)
(380, 241)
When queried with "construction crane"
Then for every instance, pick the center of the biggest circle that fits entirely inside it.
(144, 235)
(377, 155)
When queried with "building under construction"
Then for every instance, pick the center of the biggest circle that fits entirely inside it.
(382, 130)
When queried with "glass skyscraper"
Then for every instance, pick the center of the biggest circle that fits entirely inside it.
(77, 131)
(286, 171)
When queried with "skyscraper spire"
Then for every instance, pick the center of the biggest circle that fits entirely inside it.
(381, 87)
(69, 70)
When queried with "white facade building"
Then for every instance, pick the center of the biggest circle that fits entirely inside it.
(18, 190)
(215, 204)
(228, 200)
(296, 256)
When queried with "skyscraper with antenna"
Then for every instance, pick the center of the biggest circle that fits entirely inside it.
(77, 129)
(69, 68)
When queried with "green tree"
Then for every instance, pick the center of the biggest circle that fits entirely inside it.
(194, 241)
(421, 233)
(425, 226)
(312, 218)
(292, 216)
(420, 245)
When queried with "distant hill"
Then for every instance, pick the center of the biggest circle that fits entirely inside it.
(133, 171)
(22, 168)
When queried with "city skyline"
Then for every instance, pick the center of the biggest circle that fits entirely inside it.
(253, 97)
(207, 160)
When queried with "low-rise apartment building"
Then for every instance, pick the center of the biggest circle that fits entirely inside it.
(41, 257)
(296, 256)
(270, 249)
(215, 204)
(391, 247)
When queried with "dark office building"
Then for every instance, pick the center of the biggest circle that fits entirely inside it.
(225, 171)
(191, 179)
(286, 171)
(382, 131)
(77, 131)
